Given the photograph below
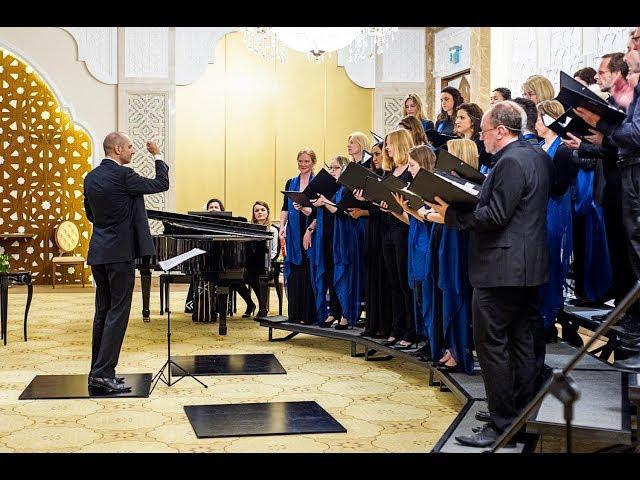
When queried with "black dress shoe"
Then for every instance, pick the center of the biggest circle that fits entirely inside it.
(108, 385)
(341, 326)
(483, 416)
(399, 346)
(119, 379)
(388, 343)
(422, 351)
(484, 438)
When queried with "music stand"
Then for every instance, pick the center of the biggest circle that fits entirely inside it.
(561, 385)
(167, 266)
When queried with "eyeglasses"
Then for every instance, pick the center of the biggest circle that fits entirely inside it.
(482, 132)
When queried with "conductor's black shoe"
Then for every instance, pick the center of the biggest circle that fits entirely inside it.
(109, 385)
(483, 416)
(484, 438)
(119, 379)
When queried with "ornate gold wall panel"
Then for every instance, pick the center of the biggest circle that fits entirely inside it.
(44, 158)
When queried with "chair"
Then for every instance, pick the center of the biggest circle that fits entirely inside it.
(67, 237)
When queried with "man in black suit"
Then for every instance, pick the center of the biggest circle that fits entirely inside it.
(113, 199)
(508, 261)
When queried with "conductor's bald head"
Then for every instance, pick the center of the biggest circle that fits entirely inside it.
(118, 146)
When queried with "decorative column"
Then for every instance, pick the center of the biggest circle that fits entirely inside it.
(429, 79)
(480, 66)
(146, 100)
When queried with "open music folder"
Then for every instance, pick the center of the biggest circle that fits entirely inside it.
(354, 176)
(448, 163)
(437, 139)
(375, 191)
(573, 94)
(568, 122)
(322, 183)
(454, 191)
(398, 186)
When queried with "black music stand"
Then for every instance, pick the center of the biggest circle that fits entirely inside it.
(166, 266)
(561, 385)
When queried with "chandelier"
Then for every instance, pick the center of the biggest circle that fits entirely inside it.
(318, 42)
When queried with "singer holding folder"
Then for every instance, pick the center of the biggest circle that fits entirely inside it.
(293, 224)
(626, 137)
(348, 253)
(508, 261)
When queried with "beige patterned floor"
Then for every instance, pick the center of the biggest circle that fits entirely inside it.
(385, 406)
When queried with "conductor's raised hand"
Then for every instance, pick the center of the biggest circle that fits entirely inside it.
(152, 148)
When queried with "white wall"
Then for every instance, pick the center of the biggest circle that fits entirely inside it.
(445, 63)
(517, 53)
(52, 52)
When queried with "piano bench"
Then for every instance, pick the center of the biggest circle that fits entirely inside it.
(165, 280)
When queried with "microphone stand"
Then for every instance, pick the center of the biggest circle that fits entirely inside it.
(561, 385)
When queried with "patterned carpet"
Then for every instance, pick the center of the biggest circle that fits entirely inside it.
(385, 406)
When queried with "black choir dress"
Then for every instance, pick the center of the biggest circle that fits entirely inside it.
(378, 317)
(395, 239)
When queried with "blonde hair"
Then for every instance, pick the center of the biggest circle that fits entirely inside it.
(424, 157)
(465, 149)
(418, 103)
(553, 108)
(415, 127)
(541, 86)
(362, 140)
(309, 152)
(402, 143)
(342, 161)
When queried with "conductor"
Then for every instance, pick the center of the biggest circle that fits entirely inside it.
(113, 200)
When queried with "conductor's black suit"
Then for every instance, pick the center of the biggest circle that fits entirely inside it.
(114, 204)
(508, 260)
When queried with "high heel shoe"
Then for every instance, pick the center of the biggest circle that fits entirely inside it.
(342, 326)
(406, 346)
(389, 343)
(249, 312)
(327, 323)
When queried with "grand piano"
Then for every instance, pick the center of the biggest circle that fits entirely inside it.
(225, 239)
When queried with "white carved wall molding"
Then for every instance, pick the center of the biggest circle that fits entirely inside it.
(404, 60)
(98, 48)
(146, 52)
(195, 49)
(146, 113)
(517, 53)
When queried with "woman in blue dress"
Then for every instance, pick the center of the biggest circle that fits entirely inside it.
(293, 223)
(412, 106)
(348, 252)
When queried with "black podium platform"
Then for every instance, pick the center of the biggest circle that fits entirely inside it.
(246, 419)
(75, 386)
(242, 364)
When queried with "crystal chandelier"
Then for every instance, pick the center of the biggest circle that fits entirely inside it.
(318, 42)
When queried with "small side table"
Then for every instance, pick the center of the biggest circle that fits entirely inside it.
(16, 278)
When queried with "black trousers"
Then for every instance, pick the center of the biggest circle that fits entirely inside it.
(335, 309)
(618, 242)
(114, 289)
(394, 251)
(503, 323)
(302, 303)
(631, 217)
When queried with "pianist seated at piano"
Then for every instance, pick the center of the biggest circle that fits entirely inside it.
(256, 252)
(216, 205)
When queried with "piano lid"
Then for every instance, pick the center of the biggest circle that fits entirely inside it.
(181, 224)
